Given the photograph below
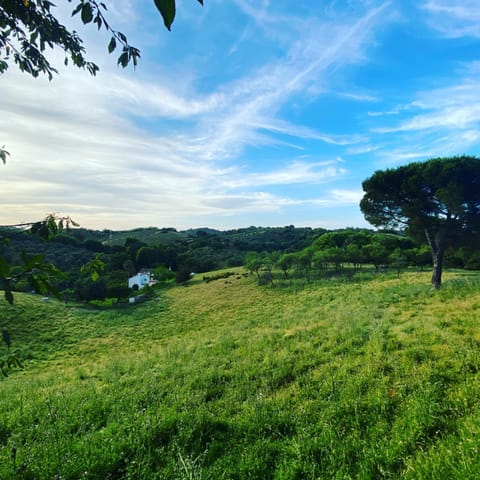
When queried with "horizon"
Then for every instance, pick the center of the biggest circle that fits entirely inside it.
(246, 113)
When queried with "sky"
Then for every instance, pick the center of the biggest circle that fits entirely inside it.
(249, 112)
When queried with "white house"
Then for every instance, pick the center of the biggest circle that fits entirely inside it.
(142, 278)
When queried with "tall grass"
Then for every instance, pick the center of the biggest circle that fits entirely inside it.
(365, 379)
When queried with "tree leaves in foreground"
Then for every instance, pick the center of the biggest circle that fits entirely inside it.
(28, 28)
(167, 9)
(439, 198)
(33, 269)
(38, 273)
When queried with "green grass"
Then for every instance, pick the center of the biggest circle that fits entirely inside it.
(369, 379)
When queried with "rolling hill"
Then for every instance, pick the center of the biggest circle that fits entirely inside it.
(374, 377)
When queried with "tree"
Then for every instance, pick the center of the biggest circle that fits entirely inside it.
(253, 262)
(33, 269)
(439, 198)
(28, 27)
(183, 274)
(146, 257)
(304, 261)
(285, 263)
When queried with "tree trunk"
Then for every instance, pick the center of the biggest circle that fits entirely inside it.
(437, 246)
(437, 269)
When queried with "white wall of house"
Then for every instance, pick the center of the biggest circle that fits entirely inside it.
(140, 279)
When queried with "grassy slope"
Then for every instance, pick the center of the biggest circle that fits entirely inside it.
(375, 379)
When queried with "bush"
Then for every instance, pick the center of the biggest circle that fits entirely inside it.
(86, 289)
(182, 275)
(163, 274)
(118, 291)
(473, 262)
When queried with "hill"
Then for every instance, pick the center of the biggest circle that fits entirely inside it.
(377, 377)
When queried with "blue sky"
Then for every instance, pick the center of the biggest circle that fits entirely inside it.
(247, 113)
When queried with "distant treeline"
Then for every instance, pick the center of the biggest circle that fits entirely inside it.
(169, 253)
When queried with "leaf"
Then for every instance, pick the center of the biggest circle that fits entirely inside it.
(112, 45)
(35, 261)
(94, 268)
(200, 1)
(123, 59)
(3, 155)
(76, 9)
(167, 11)
(87, 14)
(98, 21)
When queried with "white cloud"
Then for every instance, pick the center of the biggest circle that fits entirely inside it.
(454, 107)
(339, 197)
(259, 96)
(297, 172)
(454, 18)
(159, 151)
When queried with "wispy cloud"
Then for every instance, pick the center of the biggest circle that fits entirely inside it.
(454, 107)
(173, 145)
(297, 172)
(321, 48)
(340, 197)
(454, 18)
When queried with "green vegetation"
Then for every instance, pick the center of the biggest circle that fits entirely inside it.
(438, 199)
(375, 377)
(80, 252)
(27, 28)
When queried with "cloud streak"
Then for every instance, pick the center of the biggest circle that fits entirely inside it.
(244, 127)
(454, 18)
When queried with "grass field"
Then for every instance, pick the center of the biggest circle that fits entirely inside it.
(366, 379)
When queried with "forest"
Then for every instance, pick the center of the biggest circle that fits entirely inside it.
(268, 252)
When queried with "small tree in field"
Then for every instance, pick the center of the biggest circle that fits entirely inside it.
(439, 198)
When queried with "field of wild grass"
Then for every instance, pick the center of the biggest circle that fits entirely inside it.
(372, 378)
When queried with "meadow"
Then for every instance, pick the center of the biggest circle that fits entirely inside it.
(374, 377)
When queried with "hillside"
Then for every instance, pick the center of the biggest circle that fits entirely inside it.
(124, 253)
(377, 377)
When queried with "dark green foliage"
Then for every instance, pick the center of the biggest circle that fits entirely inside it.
(439, 198)
(28, 28)
(183, 274)
(163, 274)
(167, 10)
(297, 252)
(87, 289)
(29, 269)
(285, 262)
(147, 256)
(95, 268)
(473, 263)
(3, 155)
(254, 261)
(118, 291)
